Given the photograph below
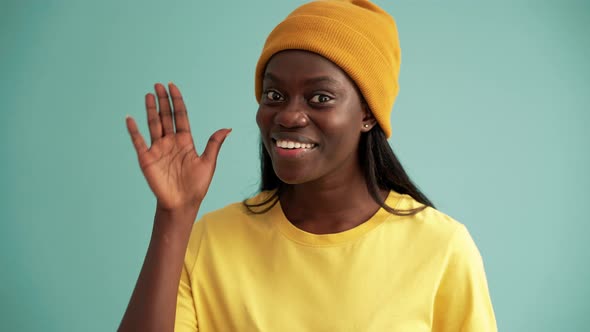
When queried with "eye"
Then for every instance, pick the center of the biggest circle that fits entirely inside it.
(320, 99)
(273, 95)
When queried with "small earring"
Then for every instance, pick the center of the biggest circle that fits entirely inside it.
(366, 125)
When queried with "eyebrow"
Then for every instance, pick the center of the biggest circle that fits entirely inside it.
(328, 79)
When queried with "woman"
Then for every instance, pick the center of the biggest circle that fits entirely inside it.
(339, 239)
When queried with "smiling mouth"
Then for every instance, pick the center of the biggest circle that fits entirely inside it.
(289, 144)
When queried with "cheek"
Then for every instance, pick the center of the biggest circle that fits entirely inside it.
(343, 128)
(262, 119)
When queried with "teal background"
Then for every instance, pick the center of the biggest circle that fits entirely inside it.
(491, 122)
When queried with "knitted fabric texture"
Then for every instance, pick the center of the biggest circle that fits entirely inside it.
(356, 35)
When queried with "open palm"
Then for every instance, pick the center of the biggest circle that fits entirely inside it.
(175, 172)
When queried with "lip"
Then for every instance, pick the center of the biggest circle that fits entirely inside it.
(291, 153)
(284, 136)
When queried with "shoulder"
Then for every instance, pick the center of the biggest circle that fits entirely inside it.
(438, 237)
(237, 214)
(230, 224)
(430, 224)
(433, 234)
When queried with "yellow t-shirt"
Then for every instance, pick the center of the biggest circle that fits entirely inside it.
(258, 272)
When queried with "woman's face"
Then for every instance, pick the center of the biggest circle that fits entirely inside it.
(310, 118)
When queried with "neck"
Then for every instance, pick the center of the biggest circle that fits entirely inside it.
(330, 205)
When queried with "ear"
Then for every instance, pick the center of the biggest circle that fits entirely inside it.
(369, 120)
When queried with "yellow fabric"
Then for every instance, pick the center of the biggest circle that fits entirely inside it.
(356, 35)
(246, 272)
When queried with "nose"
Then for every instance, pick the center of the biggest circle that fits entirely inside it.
(291, 116)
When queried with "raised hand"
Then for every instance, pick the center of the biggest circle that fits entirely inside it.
(175, 172)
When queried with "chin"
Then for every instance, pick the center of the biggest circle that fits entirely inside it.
(293, 176)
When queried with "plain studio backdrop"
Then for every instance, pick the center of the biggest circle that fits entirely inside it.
(491, 122)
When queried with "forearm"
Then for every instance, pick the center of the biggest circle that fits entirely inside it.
(153, 304)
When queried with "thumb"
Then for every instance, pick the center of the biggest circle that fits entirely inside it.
(214, 144)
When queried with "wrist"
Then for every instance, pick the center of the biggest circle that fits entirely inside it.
(181, 212)
(176, 222)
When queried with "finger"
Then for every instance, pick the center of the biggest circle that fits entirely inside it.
(136, 138)
(214, 144)
(153, 118)
(165, 110)
(180, 115)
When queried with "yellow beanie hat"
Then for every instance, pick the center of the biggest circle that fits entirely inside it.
(356, 35)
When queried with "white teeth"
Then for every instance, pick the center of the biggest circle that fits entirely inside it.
(293, 145)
